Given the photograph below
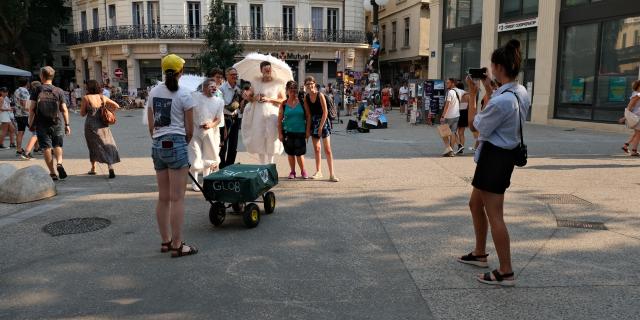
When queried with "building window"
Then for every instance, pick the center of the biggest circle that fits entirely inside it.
(406, 32)
(459, 56)
(63, 36)
(573, 3)
(96, 20)
(65, 60)
(83, 20)
(288, 22)
(232, 13)
(193, 11)
(112, 15)
(256, 21)
(153, 13)
(383, 45)
(596, 69)
(636, 38)
(393, 35)
(332, 19)
(461, 13)
(511, 9)
(136, 13)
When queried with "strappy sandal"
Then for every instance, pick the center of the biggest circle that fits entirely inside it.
(53, 176)
(91, 173)
(625, 148)
(474, 260)
(634, 153)
(498, 279)
(165, 246)
(177, 252)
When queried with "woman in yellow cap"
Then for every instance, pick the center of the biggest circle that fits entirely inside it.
(170, 120)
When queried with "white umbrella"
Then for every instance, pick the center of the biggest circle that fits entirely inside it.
(249, 68)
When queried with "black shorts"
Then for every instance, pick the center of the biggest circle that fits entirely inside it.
(463, 121)
(295, 143)
(494, 169)
(50, 137)
(23, 123)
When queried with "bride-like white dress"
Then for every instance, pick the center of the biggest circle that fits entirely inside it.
(260, 124)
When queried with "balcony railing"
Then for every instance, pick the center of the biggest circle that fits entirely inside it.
(176, 31)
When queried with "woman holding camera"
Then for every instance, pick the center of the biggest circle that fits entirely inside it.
(499, 125)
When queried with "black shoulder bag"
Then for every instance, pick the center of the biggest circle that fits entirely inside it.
(521, 150)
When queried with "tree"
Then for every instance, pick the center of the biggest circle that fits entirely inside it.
(221, 43)
(26, 27)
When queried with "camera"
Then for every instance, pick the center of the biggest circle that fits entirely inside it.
(478, 73)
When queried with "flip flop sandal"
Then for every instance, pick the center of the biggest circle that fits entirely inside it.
(474, 260)
(177, 252)
(91, 173)
(165, 246)
(498, 279)
(54, 177)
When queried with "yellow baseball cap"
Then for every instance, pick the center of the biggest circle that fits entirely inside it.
(172, 62)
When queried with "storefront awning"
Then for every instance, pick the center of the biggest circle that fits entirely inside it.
(11, 71)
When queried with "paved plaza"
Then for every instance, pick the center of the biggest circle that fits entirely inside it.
(380, 244)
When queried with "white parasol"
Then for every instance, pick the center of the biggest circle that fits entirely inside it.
(249, 68)
(190, 81)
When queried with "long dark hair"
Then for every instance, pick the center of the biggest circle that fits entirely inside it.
(93, 87)
(509, 57)
(171, 80)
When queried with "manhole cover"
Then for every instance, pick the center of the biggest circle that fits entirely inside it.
(562, 199)
(76, 225)
(581, 224)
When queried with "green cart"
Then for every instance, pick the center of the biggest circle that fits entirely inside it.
(237, 187)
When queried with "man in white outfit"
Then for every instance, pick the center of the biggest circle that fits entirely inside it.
(205, 144)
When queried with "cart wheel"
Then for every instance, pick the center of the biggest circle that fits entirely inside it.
(269, 202)
(238, 207)
(251, 215)
(217, 213)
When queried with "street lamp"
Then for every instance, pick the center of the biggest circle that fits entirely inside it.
(372, 64)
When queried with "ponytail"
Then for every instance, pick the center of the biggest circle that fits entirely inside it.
(509, 57)
(171, 80)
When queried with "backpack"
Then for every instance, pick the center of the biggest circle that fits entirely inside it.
(47, 107)
(331, 108)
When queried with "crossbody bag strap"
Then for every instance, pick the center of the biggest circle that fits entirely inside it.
(519, 118)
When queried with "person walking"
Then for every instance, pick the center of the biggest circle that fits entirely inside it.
(47, 107)
(204, 147)
(463, 121)
(316, 103)
(77, 94)
(6, 119)
(294, 126)
(170, 122)
(404, 97)
(634, 107)
(232, 96)
(386, 98)
(102, 147)
(499, 125)
(21, 98)
(450, 117)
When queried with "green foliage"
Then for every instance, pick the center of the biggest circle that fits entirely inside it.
(26, 27)
(221, 45)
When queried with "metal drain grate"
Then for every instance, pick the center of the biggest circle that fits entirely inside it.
(562, 199)
(581, 224)
(75, 225)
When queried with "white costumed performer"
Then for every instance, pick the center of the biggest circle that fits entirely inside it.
(260, 117)
(204, 147)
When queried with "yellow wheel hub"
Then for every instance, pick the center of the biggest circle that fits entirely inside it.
(254, 215)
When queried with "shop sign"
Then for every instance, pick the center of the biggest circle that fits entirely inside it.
(517, 25)
(289, 55)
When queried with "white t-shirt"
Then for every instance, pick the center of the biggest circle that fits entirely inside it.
(404, 93)
(206, 109)
(454, 103)
(636, 108)
(78, 93)
(168, 109)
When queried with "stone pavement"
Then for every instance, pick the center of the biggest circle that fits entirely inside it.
(380, 244)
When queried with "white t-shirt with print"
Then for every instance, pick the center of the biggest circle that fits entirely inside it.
(168, 109)
(454, 103)
(404, 93)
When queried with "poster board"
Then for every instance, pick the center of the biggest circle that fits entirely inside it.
(617, 89)
(577, 90)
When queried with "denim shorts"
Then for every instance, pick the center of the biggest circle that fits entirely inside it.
(170, 157)
(50, 137)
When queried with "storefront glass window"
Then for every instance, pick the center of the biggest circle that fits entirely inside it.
(573, 3)
(513, 9)
(461, 13)
(596, 72)
(578, 58)
(459, 56)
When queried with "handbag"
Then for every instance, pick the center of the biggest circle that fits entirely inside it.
(631, 119)
(108, 117)
(520, 151)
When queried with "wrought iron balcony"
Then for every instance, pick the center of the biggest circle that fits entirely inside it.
(176, 31)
